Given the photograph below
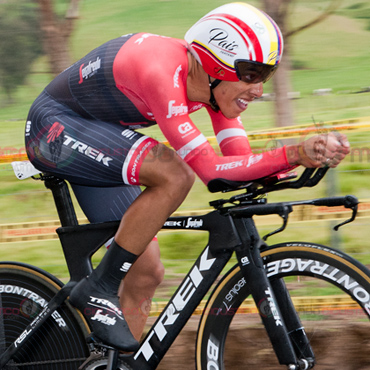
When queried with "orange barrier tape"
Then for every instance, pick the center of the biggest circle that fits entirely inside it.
(358, 124)
(45, 230)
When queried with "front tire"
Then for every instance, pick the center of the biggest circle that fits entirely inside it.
(308, 269)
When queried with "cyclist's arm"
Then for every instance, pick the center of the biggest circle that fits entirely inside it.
(238, 162)
(161, 85)
(248, 167)
(192, 146)
(230, 134)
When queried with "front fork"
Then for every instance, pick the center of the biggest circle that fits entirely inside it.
(273, 301)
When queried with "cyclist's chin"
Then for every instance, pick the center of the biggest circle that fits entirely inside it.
(232, 110)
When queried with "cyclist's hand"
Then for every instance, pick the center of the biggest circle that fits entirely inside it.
(320, 151)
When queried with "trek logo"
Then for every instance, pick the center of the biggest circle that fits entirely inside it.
(273, 308)
(176, 110)
(220, 38)
(229, 166)
(176, 77)
(90, 70)
(185, 128)
(176, 305)
(104, 303)
(173, 223)
(55, 131)
(86, 150)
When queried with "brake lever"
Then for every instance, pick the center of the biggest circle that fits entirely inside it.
(352, 218)
(285, 216)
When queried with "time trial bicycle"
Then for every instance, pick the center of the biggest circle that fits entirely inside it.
(39, 329)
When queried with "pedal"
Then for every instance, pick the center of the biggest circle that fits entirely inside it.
(98, 349)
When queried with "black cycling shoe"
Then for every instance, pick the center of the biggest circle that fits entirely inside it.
(104, 315)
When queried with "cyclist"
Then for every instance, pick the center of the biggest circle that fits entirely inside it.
(83, 128)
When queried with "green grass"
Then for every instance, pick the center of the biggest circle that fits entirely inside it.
(333, 54)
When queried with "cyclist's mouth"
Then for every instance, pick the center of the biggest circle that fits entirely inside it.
(242, 103)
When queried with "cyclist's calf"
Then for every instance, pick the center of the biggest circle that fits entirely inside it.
(139, 286)
(145, 274)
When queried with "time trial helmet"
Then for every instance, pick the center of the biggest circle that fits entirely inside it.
(236, 41)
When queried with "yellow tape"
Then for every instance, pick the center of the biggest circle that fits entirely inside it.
(323, 304)
(358, 124)
(45, 230)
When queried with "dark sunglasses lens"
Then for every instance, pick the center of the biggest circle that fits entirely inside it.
(251, 77)
(253, 72)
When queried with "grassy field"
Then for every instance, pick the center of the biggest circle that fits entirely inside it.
(332, 55)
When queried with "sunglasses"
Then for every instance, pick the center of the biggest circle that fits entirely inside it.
(254, 72)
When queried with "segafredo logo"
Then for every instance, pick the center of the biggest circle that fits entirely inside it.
(90, 70)
(104, 319)
(176, 110)
(254, 159)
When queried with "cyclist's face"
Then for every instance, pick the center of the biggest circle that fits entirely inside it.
(233, 97)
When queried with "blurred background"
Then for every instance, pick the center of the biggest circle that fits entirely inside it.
(323, 84)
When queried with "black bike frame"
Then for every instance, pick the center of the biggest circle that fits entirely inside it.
(226, 235)
(229, 232)
(223, 242)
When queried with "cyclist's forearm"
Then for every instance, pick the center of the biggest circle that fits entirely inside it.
(209, 166)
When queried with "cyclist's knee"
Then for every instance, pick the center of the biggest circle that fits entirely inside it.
(178, 173)
(164, 168)
(182, 178)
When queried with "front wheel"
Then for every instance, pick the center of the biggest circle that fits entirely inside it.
(331, 293)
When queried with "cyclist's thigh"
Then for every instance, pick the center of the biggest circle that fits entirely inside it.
(83, 151)
(102, 204)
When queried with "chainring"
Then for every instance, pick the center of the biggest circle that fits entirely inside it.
(101, 364)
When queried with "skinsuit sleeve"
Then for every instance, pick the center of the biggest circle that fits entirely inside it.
(157, 83)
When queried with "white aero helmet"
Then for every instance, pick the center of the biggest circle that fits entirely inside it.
(236, 42)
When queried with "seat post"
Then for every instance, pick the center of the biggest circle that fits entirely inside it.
(62, 199)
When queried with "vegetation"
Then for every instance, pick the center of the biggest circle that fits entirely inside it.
(333, 55)
(19, 44)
